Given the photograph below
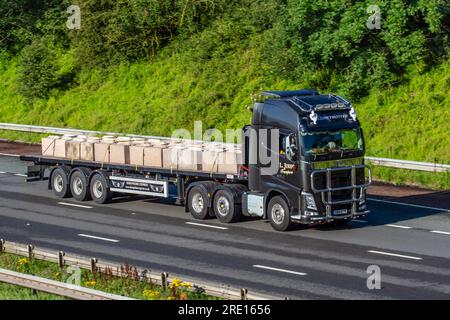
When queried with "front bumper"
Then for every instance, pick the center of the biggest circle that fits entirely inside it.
(321, 219)
(325, 196)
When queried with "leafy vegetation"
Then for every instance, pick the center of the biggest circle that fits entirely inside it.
(129, 285)
(152, 66)
(11, 292)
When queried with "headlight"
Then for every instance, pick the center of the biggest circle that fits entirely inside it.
(309, 200)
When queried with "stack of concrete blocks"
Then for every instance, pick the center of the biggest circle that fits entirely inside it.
(87, 148)
(172, 154)
(147, 153)
(102, 149)
(184, 155)
(221, 158)
(119, 152)
(48, 145)
(62, 146)
(190, 156)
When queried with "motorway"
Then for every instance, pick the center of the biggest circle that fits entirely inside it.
(410, 243)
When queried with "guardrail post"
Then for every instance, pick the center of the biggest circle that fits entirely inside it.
(2, 245)
(30, 251)
(244, 293)
(164, 276)
(61, 261)
(94, 265)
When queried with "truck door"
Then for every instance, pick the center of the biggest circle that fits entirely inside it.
(287, 179)
(289, 158)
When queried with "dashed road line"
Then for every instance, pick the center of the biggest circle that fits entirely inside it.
(74, 205)
(206, 225)
(279, 270)
(397, 226)
(20, 175)
(440, 232)
(97, 238)
(394, 255)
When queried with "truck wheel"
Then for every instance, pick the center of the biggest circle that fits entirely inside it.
(60, 183)
(224, 207)
(100, 190)
(79, 186)
(278, 213)
(198, 204)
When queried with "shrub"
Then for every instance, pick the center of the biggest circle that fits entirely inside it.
(37, 75)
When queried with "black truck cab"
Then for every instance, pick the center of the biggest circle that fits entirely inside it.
(317, 145)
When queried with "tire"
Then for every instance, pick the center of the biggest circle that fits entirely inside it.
(224, 207)
(198, 203)
(79, 186)
(60, 183)
(99, 188)
(279, 214)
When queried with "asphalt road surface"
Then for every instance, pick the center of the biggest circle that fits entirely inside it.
(409, 243)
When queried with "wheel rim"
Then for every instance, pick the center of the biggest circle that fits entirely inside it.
(278, 213)
(198, 203)
(58, 183)
(223, 206)
(77, 186)
(97, 189)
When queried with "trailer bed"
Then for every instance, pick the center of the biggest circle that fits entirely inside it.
(52, 161)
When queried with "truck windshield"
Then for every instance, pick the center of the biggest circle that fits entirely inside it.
(325, 142)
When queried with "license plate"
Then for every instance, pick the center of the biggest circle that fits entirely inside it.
(339, 212)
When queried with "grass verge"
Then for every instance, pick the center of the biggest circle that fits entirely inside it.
(12, 292)
(130, 285)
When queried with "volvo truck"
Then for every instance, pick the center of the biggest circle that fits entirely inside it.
(319, 176)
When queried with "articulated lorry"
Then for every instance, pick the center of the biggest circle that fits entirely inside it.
(315, 173)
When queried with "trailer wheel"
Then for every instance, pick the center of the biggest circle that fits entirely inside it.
(79, 186)
(100, 190)
(198, 203)
(224, 207)
(60, 183)
(278, 214)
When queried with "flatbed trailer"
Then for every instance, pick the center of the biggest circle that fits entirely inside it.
(122, 179)
(319, 175)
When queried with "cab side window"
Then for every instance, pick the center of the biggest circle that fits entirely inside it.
(288, 146)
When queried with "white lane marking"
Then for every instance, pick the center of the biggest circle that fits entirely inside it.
(408, 204)
(397, 226)
(20, 175)
(2, 172)
(206, 225)
(440, 232)
(279, 270)
(394, 255)
(359, 221)
(74, 205)
(95, 237)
